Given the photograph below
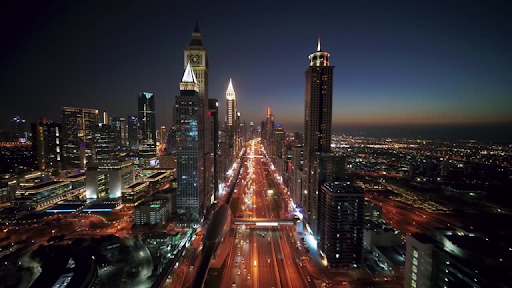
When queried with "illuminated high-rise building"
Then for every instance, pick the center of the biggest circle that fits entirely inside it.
(213, 142)
(147, 124)
(196, 56)
(190, 147)
(46, 142)
(231, 127)
(78, 130)
(105, 148)
(317, 128)
(341, 226)
(133, 132)
(119, 127)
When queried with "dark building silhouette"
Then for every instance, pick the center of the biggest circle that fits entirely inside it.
(341, 227)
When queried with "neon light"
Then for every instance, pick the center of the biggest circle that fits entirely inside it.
(98, 210)
(61, 211)
(267, 224)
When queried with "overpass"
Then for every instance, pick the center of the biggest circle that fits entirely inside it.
(264, 221)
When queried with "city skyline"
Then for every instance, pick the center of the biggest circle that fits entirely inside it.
(434, 71)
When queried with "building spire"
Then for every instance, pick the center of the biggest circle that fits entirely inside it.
(196, 30)
(318, 47)
(189, 76)
(230, 93)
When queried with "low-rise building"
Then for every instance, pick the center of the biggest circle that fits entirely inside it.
(42, 195)
(152, 212)
(133, 194)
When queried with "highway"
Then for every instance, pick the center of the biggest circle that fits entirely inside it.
(262, 256)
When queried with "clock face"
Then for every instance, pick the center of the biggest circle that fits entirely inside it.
(195, 59)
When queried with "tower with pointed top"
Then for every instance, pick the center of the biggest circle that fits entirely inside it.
(317, 129)
(231, 127)
(189, 113)
(197, 56)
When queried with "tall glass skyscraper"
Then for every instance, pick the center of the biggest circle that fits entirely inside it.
(190, 147)
(317, 128)
(147, 124)
(78, 129)
(133, 132)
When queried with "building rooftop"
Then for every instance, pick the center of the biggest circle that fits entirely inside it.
(136, 185)
(76, 176)
(44, 185)
(156, 175)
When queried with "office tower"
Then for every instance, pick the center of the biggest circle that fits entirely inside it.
(119, 127)
(147, 124)
(133, 133)
(78, 128)
(297, 173)
(213, 140)
(197, 57)
(252, 131)
(341, 228)
(189, 144)
(46, 144)
(231, 128)
(106, 120)
(18, 129)
(163, 135)
(317, 127)
(105, 147)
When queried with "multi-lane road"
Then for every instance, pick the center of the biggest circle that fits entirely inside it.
(263, 256)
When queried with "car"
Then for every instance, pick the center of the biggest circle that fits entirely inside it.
(238, 272)
(233, 285)
(248, 276)
(309, 279)
(268, 260)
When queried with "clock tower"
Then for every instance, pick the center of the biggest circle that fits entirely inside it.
(198, 58)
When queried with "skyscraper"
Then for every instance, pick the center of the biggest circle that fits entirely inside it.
(147, 124)
(231, 127)
(46, 143)
(120, 134)
(78, 128)
(105, 148)
(213, 140)
(341, 227)
(133, 133)
(196, 56)
(317, 128)
(190, 147)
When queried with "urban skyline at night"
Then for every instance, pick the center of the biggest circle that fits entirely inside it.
(444, 67)
(342, 144)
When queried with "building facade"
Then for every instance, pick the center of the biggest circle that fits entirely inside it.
(78, 130)
(108, 179)
(317, 128)
(341, 228)
(147, 124)
(46, 142)
(190, 147)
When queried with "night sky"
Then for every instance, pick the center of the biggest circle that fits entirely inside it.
(419, 63)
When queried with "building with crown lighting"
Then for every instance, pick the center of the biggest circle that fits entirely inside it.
(317, 129)
(190, 147)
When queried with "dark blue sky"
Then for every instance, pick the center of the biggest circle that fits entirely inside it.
(397, 62)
